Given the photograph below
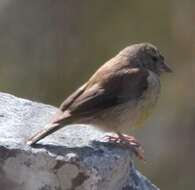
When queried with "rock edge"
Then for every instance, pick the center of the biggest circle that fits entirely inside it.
(73, 158)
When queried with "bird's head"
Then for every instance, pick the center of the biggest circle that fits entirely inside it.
(146, 55)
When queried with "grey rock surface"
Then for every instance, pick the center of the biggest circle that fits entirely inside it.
(73, 158)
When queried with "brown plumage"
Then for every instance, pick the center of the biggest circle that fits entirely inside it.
(117, 96)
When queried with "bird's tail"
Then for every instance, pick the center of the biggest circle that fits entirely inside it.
(50, 128)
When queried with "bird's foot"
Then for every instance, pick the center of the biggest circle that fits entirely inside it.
(129, 142)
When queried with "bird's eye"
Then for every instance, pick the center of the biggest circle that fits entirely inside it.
(154, 58)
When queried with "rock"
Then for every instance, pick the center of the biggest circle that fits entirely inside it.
(73, 158)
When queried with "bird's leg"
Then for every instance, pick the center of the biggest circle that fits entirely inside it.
(129, 142)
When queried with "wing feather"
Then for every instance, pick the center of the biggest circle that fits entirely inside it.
(124, 86)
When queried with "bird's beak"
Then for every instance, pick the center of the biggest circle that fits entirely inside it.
(166, 68)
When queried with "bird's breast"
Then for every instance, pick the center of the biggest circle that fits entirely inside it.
(148, 100)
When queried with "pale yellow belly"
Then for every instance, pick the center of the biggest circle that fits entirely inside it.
(143, 115)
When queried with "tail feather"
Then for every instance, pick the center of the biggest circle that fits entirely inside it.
(50, 128)
(58, 121)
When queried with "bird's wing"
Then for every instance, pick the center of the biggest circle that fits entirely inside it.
(68, 101)
(118, 88)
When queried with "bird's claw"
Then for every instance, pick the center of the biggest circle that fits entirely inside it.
(129, 142)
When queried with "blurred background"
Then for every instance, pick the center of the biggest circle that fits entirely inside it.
(49, 48)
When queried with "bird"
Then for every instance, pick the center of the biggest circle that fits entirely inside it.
(120, 95)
